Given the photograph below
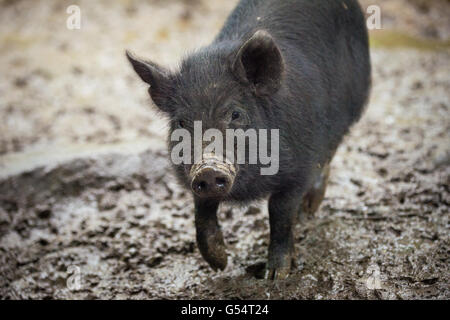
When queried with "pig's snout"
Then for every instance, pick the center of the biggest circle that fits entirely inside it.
(212, 178)
(210, 182)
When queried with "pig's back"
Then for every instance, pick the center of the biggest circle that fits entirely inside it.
(325, 48)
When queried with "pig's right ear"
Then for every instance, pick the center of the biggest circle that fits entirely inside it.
(156, 76)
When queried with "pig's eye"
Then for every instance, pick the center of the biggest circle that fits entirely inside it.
(235, 115)
(181, 124)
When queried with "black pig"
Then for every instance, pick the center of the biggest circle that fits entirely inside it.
(300, 66)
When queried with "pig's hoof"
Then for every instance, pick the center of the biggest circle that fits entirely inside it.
(212, 248)
(279, 264)
(277, 274)
(217, 261)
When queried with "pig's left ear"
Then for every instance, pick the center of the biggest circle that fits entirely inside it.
(156, 76)
(259, 63)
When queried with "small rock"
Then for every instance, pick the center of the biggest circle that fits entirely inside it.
(153, 261)
(107, 202)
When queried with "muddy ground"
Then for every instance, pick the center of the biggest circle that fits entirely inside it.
(89, 208)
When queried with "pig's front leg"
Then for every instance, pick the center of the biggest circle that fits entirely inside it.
(283, 210)
(209, 236)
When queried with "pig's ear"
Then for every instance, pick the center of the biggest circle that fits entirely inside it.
(156, 76)
(259, 63)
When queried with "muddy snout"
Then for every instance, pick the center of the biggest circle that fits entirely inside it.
(212, 177)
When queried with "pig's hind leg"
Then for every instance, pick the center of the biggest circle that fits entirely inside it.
(314, 197)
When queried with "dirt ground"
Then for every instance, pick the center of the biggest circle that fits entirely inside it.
(90, 210)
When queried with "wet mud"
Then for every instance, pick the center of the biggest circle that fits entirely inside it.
(89, 208)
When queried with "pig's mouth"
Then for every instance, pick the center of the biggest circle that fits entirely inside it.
(212, 178)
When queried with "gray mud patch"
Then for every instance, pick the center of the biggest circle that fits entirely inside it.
(122, 224)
